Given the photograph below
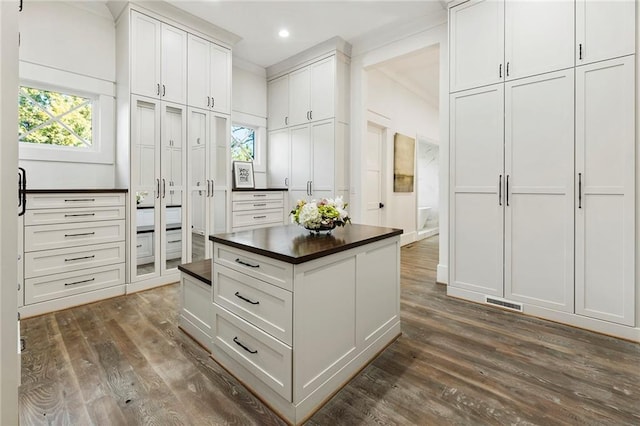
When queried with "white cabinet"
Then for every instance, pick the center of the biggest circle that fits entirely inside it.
(257, 209)
(604, 30)
(278, 103)
(209, 82)
(278, 159)
(493, 41)
(312, 92)
(605, 210)
(208, 181)
(158, 59)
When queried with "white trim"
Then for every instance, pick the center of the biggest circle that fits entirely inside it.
(442, 274)
(40, 74)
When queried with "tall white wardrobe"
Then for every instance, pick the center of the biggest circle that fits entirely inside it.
(542, 176)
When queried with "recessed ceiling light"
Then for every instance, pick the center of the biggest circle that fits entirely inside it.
(283, 33)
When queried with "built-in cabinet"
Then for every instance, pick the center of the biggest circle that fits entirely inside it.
(543, 158)
(209, 75)
(258, 209)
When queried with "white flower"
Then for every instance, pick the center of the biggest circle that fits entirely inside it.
(309, 215)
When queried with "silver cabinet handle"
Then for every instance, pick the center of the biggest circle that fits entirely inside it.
(310, 187)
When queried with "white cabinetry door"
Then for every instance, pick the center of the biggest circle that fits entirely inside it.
(200, 185)
(539, 224)
(174, 65)
(322, 89)
(220, 79)
(604, 30)
(278, 151)
(477, 44)
(199, 73)
(539, 37)
(145, 55)
(322, 155)
(278, 103)
(299, 96)
(605, 210)
(300, 163)
(477, 199)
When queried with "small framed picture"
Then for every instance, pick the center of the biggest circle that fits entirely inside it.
(243, 175)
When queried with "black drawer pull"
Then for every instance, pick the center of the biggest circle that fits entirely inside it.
(260, 205)
(235, 339)
(174, 241)
(79, 214)
(80, 282)
(247, 264)
(80, 258)
(260, 217)
(79, 199)
(238, 295)
(79, 235)
(259, 195)
(139, 245)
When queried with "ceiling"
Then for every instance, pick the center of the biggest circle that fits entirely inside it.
(309, 22)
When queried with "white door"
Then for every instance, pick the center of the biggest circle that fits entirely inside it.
(300, 171)
(199, 73)
(199, 186)
(278, 150)
(604, 30)
(145, 55)
(174, 65)
(220, 79)
(539, 37)
(278, 103)
(322, 89)
(476, 30)
(477, 189)
(373, 179)
(539, 216)
(605, 206)
(219, 172)
(322, 157)
(299, 96)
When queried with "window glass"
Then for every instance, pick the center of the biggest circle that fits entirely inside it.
(54, 118)
(243, 143)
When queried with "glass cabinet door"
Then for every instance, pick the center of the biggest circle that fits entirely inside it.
(199, 186)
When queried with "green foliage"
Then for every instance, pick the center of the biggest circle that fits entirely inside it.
(54, 118)
(242, 143)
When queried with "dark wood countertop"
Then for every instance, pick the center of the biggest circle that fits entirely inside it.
(258, 189)
(294, 244)
(200, 270)
(76, 191)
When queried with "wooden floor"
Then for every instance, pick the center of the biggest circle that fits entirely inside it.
(124, 362)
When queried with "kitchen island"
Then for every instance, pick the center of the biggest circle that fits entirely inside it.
(297, 315)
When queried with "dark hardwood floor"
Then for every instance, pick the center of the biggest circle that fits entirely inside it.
(124, 361)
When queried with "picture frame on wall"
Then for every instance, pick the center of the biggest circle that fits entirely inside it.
(243, 175)
(404, 151)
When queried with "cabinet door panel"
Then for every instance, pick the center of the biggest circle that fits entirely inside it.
(278, 103)
(323, 148)
(605, 217)
(145, 55)
(477, 44)
(220, 79)
(539, 37)
(278, 151)
(300, 158)
(299, 96)
(199, 73)
(174, 65)
(539, 225)
(199, 187)
(604, 30)
(477, 199)
(322, 89)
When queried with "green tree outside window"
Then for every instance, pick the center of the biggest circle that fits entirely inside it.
(243, 143)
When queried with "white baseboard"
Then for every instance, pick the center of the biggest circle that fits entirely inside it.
(134, 287)
(408, 238)
(442, 274)
(40, 308)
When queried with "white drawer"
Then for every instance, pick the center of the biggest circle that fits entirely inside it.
(249, 218)
(257, 205)
(264, 268)
(174, 244)
(47, 262)
(69, 215)
(54, 201)
(266, 358)
(258, 195)
(144, 244)
(47, 237)
(264, 305)
(69, 283)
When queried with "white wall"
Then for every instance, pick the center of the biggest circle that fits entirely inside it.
(77, 38)
(409, 115)
(250, 107)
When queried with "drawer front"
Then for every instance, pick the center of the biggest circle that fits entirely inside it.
(250, 218)
(266, 358)
(47, 237)
(144, 245)
(47, 262)
(264, 305)
(254, 196)
(264, 268)
(257, 205)
(69, 283)
(55, 201)
(53, 216)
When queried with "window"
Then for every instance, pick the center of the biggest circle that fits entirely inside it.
(243, 143)
(54, 118)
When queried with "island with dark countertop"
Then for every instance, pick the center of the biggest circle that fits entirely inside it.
(296, 315)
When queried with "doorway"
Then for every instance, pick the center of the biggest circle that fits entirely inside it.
(428, 187)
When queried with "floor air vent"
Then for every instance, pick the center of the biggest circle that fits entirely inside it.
(503, 303)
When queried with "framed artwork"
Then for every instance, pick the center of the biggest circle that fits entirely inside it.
(243, 175)
(404, 150)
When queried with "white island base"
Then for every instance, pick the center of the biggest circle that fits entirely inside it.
(294, 328)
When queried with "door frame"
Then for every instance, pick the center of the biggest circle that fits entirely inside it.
(384, 124)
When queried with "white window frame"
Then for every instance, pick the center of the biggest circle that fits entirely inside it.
(259, 124)
(102, 93)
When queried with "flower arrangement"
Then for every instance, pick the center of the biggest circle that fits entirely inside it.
(323, 215)
(140, 196)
